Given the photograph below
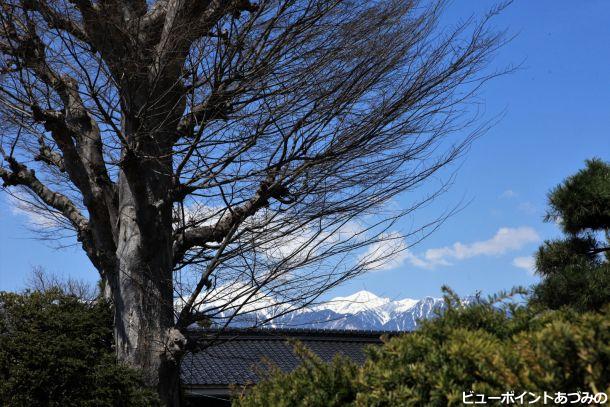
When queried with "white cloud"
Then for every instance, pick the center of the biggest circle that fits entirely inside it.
(416, 261)
(526, 262)
(388, 253)
(505, 240)
(509, 193)
(36, 218)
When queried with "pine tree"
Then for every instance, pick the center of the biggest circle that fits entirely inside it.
(575, 269)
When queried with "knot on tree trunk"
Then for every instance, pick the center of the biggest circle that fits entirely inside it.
(175, 346)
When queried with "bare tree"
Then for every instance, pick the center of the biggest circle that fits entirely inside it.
(214, 152)
(42, 280)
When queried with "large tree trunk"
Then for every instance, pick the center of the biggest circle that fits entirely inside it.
(143, 327)
(144, 319)
(142, 289)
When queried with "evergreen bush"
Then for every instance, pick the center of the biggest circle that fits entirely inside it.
(57, 350)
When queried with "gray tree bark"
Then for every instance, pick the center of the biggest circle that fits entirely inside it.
(142, 292)
(141, 286)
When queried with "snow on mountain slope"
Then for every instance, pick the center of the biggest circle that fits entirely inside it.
(358, 302)
(362, 310)
(405, 305)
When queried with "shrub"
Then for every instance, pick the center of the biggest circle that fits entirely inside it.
(484, 348)
(313, 383)
(57, 350)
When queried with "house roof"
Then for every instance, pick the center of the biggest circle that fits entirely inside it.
(237, 356)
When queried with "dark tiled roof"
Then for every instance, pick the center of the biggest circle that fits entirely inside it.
(237, 356)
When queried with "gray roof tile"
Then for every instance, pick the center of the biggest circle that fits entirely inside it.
(241, 357)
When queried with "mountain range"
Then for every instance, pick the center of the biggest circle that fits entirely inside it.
(360, 311)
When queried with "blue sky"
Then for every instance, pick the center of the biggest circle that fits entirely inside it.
(556, 115)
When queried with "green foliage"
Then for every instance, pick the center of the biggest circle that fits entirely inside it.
(554, 255)
(576, 286)
(573, 270)
(314, 383)
(56, 350)
(482, 347)
(583, 201)
(558, 350)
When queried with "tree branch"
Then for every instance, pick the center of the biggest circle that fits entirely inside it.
(184, 22)
(216, 107)
(21, 175)
(56, 20)
(200, 236)
(74, 131)
(599, 250)
(50, 157)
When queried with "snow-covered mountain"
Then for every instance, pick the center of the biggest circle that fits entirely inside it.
(362, 310)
